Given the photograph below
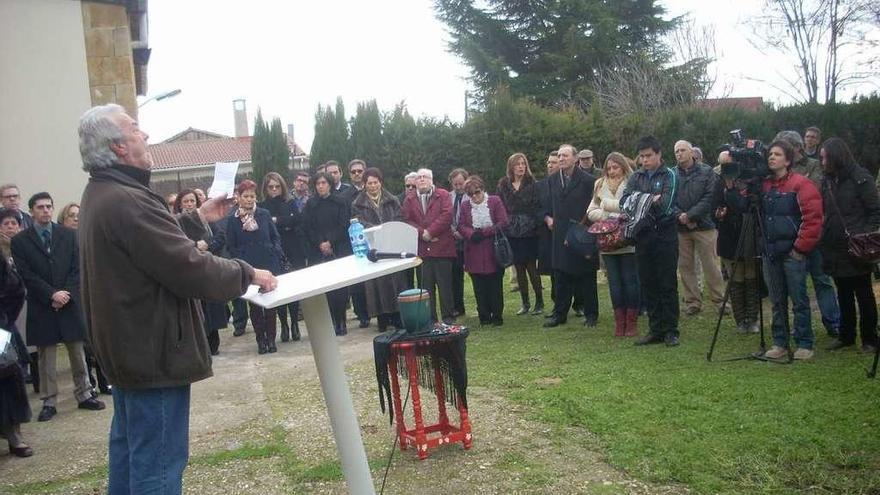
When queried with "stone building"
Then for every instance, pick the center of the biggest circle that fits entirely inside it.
(58, 58)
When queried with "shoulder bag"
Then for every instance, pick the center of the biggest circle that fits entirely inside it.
(863, 247)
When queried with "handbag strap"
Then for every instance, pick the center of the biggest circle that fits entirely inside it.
(836, 208)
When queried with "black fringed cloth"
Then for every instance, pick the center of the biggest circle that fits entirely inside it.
(446, 344)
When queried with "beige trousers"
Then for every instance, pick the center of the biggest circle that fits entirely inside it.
(699, 244)
(82, 389)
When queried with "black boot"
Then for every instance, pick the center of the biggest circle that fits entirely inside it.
(526, 305)
(294, 331)
(35, 371)
(285, 329)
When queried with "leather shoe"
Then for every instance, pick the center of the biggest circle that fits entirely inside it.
(671, 340)
(590, 320)
(837, 345)
(23, 451)
(364, 324)
(47, 413)
(579, 312)
(238, 332)
(92, 404)
(553, 322)
(649, 339)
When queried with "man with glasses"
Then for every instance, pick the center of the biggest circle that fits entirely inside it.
(10, 197)
(356, 169)
(300, 193)
(409, 186)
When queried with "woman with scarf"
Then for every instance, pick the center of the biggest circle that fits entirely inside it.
(481, 218)
(620, 265)
(286, 217)
(374, 205)
(326, 225)
(251, 236)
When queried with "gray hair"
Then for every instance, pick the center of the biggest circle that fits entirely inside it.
(411, 175)
(791, 137)
(425, 171)
(97, 131)
(698, 154)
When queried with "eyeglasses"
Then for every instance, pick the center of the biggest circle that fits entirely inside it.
(356, 171)
(410, 186)
(11, 196)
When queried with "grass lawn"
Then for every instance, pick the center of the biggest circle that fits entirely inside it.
(667, 415)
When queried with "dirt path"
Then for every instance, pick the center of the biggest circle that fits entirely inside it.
(259, 426)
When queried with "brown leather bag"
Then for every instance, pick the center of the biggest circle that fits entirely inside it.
(863, 247)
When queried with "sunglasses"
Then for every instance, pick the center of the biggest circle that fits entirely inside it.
(273, 186)
(410, 186)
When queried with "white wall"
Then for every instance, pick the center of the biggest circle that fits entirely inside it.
(44, 89)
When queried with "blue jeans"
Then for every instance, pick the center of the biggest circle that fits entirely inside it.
(787, 278)
(826, 298)
(149, 440)
(623, 280)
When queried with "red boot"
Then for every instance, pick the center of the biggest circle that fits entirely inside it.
(632, 322)
(619, 322)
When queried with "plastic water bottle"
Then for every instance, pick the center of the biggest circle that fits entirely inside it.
(359, 244)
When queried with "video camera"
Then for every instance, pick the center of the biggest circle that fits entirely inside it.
(749, 158)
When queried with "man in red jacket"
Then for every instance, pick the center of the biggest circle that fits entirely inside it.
(430, 211)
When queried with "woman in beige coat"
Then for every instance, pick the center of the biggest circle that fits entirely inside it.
(620, 265)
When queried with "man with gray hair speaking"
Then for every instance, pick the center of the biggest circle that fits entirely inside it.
(141, 281)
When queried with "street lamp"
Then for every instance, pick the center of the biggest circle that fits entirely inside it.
(161, 96)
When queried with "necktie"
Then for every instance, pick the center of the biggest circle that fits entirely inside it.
(47, 240)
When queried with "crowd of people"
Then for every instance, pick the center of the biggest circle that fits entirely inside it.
(719, 234)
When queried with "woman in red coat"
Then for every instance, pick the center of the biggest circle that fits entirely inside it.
(480, 218)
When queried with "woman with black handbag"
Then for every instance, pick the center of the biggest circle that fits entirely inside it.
(851, 208)
(287, 219)
(519, 193)
(481, 219)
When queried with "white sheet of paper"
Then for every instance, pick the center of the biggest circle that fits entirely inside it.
(224, 179)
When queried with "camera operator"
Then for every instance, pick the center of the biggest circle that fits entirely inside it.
(825, 296)
(741, 266)
(792, 220)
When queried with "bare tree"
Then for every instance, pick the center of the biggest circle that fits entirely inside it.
(829, 40)
(694, 44)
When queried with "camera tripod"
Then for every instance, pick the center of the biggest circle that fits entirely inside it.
(753, 226)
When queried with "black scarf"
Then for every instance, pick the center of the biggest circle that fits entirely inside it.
(138, 174)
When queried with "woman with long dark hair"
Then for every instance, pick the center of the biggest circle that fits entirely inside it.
(326, 225)
(519, 193)
(373, 206)
(851, 207)
(287, 219)
(251, 236)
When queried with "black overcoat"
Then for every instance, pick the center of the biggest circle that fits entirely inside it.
(568, 206)
(854, 193)
(288, 221)
(45, 273)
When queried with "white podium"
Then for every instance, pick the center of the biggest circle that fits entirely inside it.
(311, 285)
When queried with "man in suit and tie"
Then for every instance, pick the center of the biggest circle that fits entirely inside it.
(571, 190)
(47, 258)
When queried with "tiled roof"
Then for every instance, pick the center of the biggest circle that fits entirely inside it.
(752, 103)
(205, 152)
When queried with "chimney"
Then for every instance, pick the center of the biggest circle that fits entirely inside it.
(290, 132)
(239, 109)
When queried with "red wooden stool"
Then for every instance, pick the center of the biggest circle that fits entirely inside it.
(424, 437)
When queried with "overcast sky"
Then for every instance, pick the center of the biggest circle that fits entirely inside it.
(286, 57)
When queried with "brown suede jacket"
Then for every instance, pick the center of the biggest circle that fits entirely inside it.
(141, 281)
